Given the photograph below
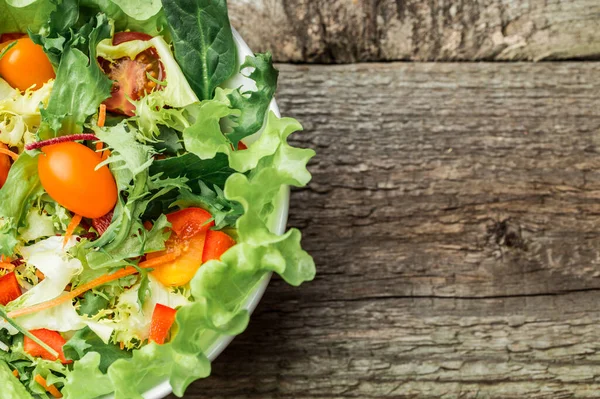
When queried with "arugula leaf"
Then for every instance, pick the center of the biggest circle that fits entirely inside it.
(21, 187)
(254, 104)
(80, 84)
(85, 341)
(203, 42)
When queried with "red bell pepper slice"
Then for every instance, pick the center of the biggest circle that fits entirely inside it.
(9, 288)
(215, 245)
(51, 338)
(162, 321)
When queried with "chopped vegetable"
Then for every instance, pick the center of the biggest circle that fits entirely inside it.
(217, 243)
(162, 321)
(51, 338)
(190, 222)
(4, 165)
(9, 287)
(51, 389)
(101, 118)
(5, 151)
(71, 228)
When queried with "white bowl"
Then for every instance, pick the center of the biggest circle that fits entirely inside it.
(278, 224)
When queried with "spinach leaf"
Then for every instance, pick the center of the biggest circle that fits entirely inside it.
(92, 303)
(85, 341)
(253, 105)
(203, 42)
(211, 171)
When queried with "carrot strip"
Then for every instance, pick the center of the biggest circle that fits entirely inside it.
(16, 373)
(7, 266)
(71, 228)
(102, 115)
(39, 275)
(5, 259)
(8, 152)
(51, 389)
(128, 271)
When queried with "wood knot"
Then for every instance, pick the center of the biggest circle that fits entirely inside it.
(507, 234)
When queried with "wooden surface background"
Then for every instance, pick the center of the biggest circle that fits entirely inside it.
(454, 213)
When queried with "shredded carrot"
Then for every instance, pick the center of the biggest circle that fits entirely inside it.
(51, 389)
(8, 152)
(71, 228)
(122, 345)
(102, 115)
(5, 259)
(128, 271)
(7, 266)
(16, 373)
(39, 275)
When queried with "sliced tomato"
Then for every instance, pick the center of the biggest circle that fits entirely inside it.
(189, 234)
(129, 76)
(162, 321)
(51, 338)
(217, 243)
(9, 288)
(4, 166)
(101, 224)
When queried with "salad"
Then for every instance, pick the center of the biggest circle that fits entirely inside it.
(139, 181)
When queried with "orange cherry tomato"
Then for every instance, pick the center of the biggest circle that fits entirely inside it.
(189, 234)
(67, 172)
(4, 166)
(25, 65)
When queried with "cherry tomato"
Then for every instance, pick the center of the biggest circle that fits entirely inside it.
(4, 166)
(129, 76)
(67, 172)
(189, 234)
(25, 65)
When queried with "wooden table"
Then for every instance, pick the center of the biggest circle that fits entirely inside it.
(454, 214)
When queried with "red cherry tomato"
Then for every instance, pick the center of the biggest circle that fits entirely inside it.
(4, 166)
(68, 173)
(129, 76)
(189, 234)
(25, 64)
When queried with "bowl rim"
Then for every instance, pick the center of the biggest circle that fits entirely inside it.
(279, 223)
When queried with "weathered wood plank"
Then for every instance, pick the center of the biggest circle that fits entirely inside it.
(454, 217)
(341, 31)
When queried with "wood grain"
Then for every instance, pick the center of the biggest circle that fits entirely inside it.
(454, 217)
(341, 31)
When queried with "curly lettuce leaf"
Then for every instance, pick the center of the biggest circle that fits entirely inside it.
(254, 104)
(11, 387)
(81, 85)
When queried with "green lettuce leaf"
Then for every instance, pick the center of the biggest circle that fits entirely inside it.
(20, 15)
(86, 341)
(81, 85)
(254, 104)
(21, 188)
(86, 380)
(203, 41)
(11, 387)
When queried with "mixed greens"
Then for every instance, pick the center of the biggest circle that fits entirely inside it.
(138, 192)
